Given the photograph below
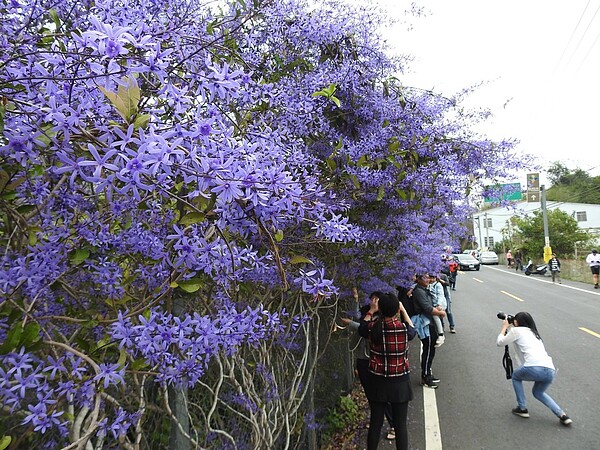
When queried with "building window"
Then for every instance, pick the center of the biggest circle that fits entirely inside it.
(581, 216)
(487, 223)
(489, 241)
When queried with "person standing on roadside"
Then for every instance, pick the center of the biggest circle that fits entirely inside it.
(519, 261)
(445, 280)
(593, 259)
(554, 265)
(426, 329)
(534, 364)
(509, 258)
(453, 270)
(388, 329)
(362, 354)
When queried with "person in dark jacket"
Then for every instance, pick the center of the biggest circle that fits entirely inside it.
(423, 321)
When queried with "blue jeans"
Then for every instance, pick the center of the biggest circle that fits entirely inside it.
(542, 378)
(449, 311)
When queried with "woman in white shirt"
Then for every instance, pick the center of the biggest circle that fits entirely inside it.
(534, 364)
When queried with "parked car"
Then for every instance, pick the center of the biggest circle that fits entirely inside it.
(466, 262)
(473, 253)
(488, 258)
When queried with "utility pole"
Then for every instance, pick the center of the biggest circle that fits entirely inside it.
(487, 232)
(547, 248)
(479, 228)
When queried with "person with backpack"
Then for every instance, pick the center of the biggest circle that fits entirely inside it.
(453, 269)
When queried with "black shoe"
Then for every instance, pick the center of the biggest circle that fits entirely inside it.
(565, 420)
(520, 412)
(428, 382)
(595, 286)
(435, 379)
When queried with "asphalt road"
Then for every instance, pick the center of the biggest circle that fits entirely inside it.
(472, 407)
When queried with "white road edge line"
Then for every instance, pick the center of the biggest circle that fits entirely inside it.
(433, 436)
(533, 277)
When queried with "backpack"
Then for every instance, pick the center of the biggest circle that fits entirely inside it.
(407, 302)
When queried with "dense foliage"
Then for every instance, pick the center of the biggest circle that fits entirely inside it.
(573, 186)
(564, 231)
(184, 189)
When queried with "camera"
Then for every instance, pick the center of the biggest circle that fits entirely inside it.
(503, 316)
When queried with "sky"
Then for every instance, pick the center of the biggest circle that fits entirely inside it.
(539, 62)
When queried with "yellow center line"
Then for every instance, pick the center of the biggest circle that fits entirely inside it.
(477, 279)
(590, 332)
(512, 296)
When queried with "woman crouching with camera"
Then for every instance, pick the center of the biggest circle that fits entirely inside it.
(534, 364)
(388, 379)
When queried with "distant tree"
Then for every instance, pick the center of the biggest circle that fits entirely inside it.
(575, 186)
(562, 228)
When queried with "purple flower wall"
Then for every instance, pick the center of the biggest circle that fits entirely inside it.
(185, 189)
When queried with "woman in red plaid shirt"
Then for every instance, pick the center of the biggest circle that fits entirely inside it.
(388, 328)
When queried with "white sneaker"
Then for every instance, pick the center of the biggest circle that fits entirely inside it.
(440, 341)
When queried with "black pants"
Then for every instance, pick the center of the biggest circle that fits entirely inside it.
(428, 351)
(362, 367)
(399, 415)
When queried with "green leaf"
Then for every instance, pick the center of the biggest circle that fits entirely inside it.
(2, 114)
(141, 121)
(190, 286)
(126, 99)
(138, 364)
(56, 20)
(328, 92)
(122, 357)
(380, 193)
(78, 256)
(24, 209)
(195, 217)
(12, 339)
(355, 181)
(279, 235)
(31, 334)
(5, 442)
(298, 259)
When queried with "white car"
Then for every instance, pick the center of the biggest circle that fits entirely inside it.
(488, 258)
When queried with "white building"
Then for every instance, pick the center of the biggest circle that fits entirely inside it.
(492, 225)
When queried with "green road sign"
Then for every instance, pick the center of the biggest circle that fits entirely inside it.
(509, 191)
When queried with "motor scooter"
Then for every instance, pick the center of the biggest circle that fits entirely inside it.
(531, 268)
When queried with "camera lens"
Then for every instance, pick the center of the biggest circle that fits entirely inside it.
(501, 316)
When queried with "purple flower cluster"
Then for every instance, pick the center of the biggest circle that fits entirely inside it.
(179, 348)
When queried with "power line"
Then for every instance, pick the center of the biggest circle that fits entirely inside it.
(571, 38)
(589, 51)
(583, 35)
